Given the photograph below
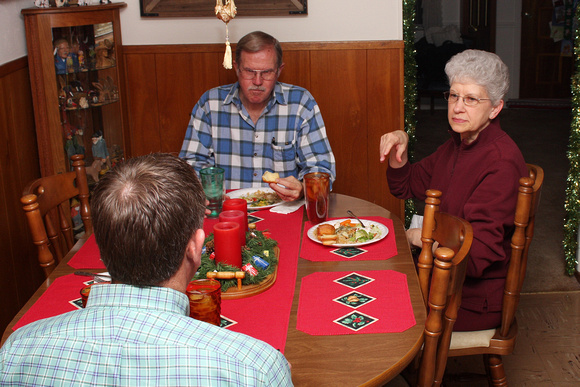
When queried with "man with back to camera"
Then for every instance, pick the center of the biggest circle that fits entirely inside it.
(148, 218)
(259, 124)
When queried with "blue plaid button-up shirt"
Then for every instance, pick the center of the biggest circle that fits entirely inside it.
(288, 138)
(129, 336)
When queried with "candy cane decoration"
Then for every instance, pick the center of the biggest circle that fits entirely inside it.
(226, 12)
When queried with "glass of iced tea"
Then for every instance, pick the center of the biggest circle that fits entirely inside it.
(85, 291)
(316, 192)
(205, 300)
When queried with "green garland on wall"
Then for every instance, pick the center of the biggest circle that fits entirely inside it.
(572, 203)
(410, 88)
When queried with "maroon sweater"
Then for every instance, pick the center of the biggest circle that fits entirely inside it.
(479, 182)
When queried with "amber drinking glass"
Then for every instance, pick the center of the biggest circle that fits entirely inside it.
(205, 300)
(316, 193)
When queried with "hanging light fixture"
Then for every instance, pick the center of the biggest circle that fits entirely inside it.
(226, 11)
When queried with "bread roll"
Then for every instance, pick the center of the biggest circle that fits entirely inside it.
(270, 177)
(325, 229)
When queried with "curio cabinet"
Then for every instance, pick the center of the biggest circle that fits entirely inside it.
(76, 70)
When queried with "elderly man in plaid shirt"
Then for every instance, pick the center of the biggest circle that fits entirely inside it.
(259, 124)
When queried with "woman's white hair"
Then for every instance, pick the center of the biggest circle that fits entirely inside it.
(482, 68)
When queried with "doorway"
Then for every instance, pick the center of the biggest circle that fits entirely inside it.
(545, 70)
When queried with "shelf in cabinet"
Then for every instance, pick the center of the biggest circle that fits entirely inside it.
(68, 109)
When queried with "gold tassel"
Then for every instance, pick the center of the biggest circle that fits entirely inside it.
(228, 56)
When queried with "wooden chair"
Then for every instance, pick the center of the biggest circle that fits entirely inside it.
(46, 203)
(441, 282)
(493, 343)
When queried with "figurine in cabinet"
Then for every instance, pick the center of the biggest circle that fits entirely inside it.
(103, 60)
(100, 151)
(41, 3)
(72, 146)
(65, 61)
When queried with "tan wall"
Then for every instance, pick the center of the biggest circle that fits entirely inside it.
(358, 85)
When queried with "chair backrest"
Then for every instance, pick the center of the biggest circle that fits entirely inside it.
(47, 205)
(441, 281)
(528, 201)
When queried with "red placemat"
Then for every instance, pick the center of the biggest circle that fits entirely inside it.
(341, 303)
(55, 299)
(266, 315)
(88, 256)
(383, 249)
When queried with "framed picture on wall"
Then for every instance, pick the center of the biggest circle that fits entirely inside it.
(205, 8)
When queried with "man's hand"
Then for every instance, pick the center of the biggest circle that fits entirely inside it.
(288, 188)
(207, 210)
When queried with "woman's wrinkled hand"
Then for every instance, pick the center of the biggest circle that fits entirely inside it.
(414, 237)
(395, 145)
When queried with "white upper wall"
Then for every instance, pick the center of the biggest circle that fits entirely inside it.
(12, 36)
(327, 20)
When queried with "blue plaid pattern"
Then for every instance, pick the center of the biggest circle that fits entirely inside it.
(129, 336)
(289, 137)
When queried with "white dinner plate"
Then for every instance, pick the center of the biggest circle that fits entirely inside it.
(248, 191)
(384, 232)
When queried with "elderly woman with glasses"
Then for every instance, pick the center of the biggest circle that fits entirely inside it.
(477, 170)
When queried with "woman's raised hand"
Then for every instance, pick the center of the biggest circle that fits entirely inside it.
(398, 142)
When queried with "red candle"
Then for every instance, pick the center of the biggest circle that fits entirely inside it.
(237, 217)
(238, 205)
(226, 238)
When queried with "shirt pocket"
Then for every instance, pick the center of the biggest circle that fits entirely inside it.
(284, 156)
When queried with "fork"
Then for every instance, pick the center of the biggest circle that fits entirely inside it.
(356, 217)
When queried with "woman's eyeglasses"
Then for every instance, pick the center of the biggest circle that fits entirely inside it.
(452, 98)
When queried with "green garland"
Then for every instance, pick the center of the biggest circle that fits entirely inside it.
(572, 203)
(410, 88)
(258, 243)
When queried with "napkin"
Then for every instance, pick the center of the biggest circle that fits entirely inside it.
(287, 207)
(416, 221)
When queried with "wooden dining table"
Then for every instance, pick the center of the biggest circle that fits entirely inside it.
(346, 359)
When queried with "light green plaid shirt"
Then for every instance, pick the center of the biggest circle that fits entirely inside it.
(129, 336)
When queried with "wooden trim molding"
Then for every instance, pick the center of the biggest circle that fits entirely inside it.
(286, 46)
(13, 66)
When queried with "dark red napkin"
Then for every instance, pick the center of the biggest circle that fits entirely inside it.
(383, 249)
(55, 299)
(379, 303)
(88, 256)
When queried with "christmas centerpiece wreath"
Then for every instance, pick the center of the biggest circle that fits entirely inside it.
(259, 261)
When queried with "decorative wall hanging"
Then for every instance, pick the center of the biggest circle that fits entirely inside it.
(225, 10)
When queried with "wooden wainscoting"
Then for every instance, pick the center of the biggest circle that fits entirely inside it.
(358, 85)
(20, 275)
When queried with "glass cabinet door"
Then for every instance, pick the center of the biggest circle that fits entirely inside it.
(88, 94)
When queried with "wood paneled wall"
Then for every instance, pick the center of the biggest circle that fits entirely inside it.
(20, 275)
(358, 85)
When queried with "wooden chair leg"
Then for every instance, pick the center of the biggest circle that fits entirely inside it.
(496, 372)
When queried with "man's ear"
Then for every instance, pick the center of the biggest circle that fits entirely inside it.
(194, 246)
